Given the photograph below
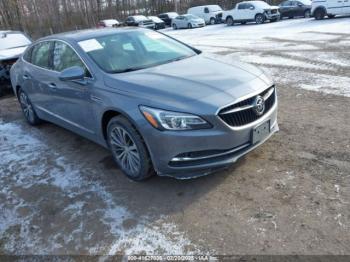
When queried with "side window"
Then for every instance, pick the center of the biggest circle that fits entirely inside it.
(242, 6)
(28, 55)
(206, 10)
(41, 55)
(250, 7)
(64, 57)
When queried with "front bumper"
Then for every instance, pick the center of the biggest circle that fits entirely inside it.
(270, 16)
(214, 148)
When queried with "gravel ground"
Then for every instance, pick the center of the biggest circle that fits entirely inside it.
(61, 194)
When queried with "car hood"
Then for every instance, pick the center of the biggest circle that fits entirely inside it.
(11, 53)
(191, 84)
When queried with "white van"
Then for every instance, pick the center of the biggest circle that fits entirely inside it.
(330, 8)
(210, 13)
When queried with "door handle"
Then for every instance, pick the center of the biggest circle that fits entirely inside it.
(53, 86)
(26, 77)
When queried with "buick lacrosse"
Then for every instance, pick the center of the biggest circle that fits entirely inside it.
(160, 106)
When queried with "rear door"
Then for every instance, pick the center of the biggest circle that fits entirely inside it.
(286, 8)
(71, 100)
(36, 75)
(241, 13)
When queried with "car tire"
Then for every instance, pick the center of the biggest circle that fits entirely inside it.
(174, 26)
(319, 14)
(307, 14)
(28, 109)
(128, 149)
(259, 19)
(230, 21)
(273, 20)
(212, 21)
(243, 23)
(189, 26)
(331, 16)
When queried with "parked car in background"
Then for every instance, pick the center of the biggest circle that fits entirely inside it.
(187, 21)
(211, 14)
(293, 9)
(108, 23)
(150, 99)
(167, 17)
(251, 11)
(12, 45)
(330, 8)
(158, 23)
(141, 21)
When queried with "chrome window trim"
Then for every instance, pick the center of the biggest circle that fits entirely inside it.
(51, 70)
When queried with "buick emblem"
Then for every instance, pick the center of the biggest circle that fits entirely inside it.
(259, 105)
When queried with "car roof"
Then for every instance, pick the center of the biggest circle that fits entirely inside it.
(81, 35)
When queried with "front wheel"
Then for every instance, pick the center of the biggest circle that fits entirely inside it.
(229, 21)
(128, 149)
(174, 26)
(189, 26)
(212, 21)
(28, 109)
(259, 19)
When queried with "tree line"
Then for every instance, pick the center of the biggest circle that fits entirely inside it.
(43, 17)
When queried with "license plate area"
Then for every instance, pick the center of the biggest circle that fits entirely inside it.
(260, 132)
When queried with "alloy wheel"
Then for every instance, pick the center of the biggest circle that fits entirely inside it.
(125, 150)
(259, 19)
(26, 107)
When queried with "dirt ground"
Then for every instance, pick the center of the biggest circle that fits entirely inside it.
(62, 194)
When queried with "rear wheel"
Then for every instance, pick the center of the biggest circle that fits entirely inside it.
(28, 109)
(307, 14)
(128, 149)
(174, 26)
(229, 21)
(212, 21)
(259, 19)
(320, 14)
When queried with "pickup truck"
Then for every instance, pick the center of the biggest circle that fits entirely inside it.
(251, 11)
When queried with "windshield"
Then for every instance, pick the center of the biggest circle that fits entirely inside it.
(215, 8)
(13, 40)
(191, 17)
(129, 51)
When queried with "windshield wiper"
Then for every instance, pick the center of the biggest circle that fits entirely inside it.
(126, 70)
(151, 65)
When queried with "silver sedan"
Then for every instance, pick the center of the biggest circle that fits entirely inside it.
(187, 21)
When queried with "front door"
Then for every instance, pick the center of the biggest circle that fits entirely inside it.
(71, 100)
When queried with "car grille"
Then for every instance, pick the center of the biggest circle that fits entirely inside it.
(242, 113)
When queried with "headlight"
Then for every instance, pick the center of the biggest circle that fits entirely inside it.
(167, 120)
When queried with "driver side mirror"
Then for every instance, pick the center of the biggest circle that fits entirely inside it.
(72, 73)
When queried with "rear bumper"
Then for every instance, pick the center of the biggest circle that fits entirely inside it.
(196, 153)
